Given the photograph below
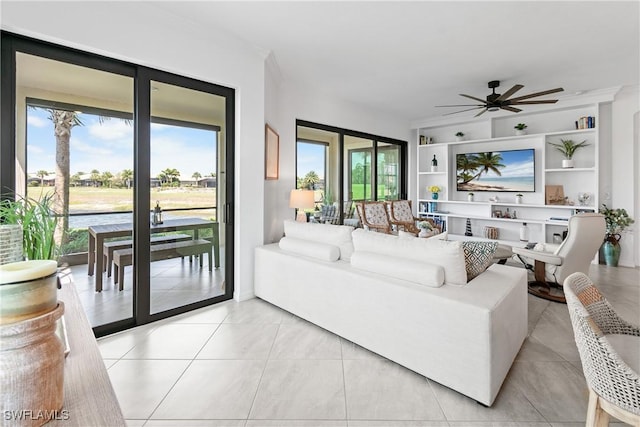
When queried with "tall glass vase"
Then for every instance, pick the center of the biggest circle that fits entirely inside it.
(611, 249)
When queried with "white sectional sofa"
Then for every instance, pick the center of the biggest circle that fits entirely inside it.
(462, 335)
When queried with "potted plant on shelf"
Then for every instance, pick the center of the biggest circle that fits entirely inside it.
(470, 197)
(519, 198)
(568, 148)
(434, 190)
(520, 129)
(459, 136)
(616, 220)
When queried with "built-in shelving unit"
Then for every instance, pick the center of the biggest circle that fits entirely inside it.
(545, 222)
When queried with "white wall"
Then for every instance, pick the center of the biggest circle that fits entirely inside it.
(625, 163)
(141, 33)
(306, 104)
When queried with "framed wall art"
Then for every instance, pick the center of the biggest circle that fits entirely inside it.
(271, 153)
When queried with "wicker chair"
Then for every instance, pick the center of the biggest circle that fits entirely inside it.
(374, 216)
(614, 387)
(401, 216)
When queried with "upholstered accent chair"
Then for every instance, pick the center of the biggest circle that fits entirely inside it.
(374, 216)
(609, 350)
(401, 216)
(584, 237)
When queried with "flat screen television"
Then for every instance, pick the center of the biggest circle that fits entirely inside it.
(509, 170)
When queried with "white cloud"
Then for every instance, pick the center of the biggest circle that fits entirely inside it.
(111, 130)
(78, 144)
(36, 121)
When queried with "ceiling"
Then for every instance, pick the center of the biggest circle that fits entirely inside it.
(406, 57)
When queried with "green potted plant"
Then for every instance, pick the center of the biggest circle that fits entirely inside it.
(616, 220)
(568, 148)
(459, 136)
(520, 129)
(38, 225)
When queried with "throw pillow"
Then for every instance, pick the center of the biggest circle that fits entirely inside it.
(478, 256)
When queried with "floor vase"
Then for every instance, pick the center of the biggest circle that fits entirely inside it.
(611, 249)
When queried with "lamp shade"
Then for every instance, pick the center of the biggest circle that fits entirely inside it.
(301, 199)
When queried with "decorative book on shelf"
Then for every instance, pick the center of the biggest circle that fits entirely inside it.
(586, 122)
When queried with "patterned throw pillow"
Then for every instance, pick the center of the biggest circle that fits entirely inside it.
(478, 257)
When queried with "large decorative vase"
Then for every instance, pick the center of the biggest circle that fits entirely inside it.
(434, 196)
(611, 249)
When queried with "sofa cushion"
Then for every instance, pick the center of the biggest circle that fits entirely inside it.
(444, 253)
(421, 273)
(337, 235)
(318, 250)
(478, 256)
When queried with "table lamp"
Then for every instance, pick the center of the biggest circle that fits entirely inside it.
(301, 199)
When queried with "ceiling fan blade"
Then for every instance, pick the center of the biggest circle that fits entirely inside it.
(462, 111)
(474, 98)
(510, 92)
(532, 95)
(515, 110)
(546, 101)
(481, 112)
(462, 105)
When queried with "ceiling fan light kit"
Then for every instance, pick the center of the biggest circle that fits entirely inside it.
(496, 101)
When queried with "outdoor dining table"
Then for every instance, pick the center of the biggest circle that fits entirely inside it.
(98, 234)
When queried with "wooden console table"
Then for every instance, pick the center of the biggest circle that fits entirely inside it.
(89, 398)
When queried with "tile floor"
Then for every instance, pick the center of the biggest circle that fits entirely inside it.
(175, 282)
(252, 364)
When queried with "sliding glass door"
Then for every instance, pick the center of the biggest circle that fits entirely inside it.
(357, 167)
(136, 164)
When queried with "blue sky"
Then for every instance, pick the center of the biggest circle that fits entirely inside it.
(109, 146)
(310, 158)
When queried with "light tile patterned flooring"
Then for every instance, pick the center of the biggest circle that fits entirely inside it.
(252, 364)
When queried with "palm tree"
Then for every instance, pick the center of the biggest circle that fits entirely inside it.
(105, 178)
(483, 163)
(466, 166)
(95, 177)
(172, 175)
(196, 176)
(63, 122)
(489, 162)
(41, 174)
(127, 176)
(311, 179)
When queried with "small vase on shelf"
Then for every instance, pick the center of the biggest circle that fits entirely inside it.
(434, 196)
(434, 164)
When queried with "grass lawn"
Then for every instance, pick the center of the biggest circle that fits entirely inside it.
(101, 199)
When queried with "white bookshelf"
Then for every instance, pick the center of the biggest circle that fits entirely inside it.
(498, 134)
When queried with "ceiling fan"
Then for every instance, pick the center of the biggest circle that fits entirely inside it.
(496, 101)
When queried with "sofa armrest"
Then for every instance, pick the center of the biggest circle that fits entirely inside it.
(545, 257)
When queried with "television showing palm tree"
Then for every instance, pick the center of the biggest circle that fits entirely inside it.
(509, 170)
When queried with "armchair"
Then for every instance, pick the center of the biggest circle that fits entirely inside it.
(401, 215)
(374, 216)
(609, 351)
(584, 237)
